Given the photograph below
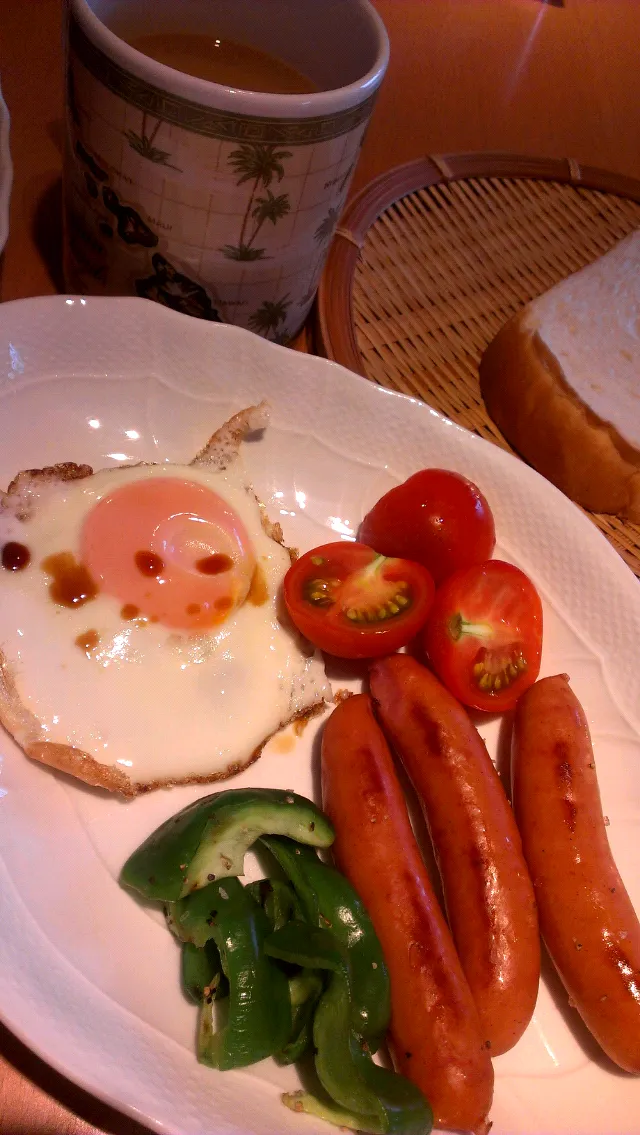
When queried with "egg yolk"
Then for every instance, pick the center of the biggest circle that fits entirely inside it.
(172, 551)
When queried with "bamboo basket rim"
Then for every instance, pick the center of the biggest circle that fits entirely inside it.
(335, 327)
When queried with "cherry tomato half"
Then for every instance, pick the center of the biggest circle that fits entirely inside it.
(483, 637)
(437, 518)
(353, 603)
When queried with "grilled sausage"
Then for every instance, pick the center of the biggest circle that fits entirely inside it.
(586, 917)
(435, 1034)
(487, 889)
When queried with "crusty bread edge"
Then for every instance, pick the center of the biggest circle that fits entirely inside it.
(528, 397)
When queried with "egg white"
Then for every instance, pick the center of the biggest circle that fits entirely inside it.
(159, 705)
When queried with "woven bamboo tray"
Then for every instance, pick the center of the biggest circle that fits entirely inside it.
(433, 257)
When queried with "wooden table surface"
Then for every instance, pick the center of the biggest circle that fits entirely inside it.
(516, 75)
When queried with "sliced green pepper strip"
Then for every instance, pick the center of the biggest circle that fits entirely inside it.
(368, 1098)
(201, 972)
(407, 1111)
(192, 919)
(278, 900)
(280, 904)
(259, 1009)
(304, 990)
(340, 1117)
(323, 1109)
(208, 840)
(329, 901)
(308, 946)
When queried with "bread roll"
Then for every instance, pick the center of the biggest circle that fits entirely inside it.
(562, 381)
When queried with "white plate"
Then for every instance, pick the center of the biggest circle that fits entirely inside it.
(6, 173)
(87, 977)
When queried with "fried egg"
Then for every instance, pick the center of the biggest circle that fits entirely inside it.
(142, 637)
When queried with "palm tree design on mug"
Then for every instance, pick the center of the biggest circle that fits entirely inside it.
(259, 164)
(326, 226)
(144, 146)
(322, 234)
(268, 317)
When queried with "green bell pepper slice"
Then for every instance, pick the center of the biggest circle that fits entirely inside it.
(208, 840)
(201, 972)
(278, 900)
(403, 1110)
(363, 1095)
(329, 902)
(200, 966)
(259, 1010)
(304, 990)
(280, 904)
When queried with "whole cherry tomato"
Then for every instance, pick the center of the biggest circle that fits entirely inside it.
(483, 636)
(437, 518)
(353, 603)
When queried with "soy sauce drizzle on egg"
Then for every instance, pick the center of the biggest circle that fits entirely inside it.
(258, 591)
(87, 641)
(215, 564)
(71, 583)
(15, 556)
(149, 563)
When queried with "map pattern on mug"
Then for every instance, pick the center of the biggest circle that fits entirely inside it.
(215, 214)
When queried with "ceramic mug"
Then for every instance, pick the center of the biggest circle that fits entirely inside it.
(213, 200)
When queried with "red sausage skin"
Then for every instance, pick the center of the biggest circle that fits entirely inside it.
(435, 1034)
(587, 920)
(487, 888)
